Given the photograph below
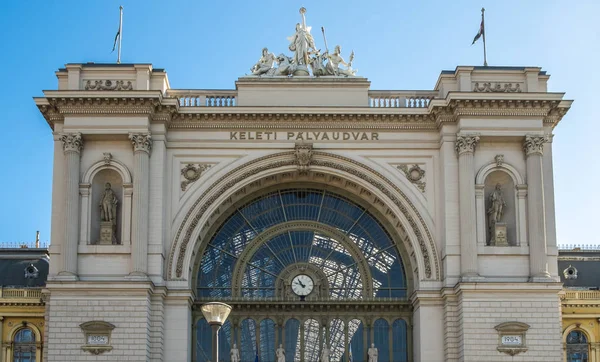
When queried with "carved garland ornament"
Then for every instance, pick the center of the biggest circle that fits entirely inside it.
(288, 162)
(72, 142)
(497, 88)
(414, 174)
(191, 173)
(110, 85)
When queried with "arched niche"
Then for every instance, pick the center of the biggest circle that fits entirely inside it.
(91, 191)
(514, 193)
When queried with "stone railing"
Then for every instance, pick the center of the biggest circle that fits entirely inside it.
(401, 99)
(578, 247)
(582, 294)
(228, 98)
(20, 293)
(204, 98)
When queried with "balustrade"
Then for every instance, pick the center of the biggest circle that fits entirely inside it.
(400, 99)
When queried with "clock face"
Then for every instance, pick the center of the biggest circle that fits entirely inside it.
(302, 285)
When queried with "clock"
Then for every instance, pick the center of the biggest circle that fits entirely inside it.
(302, 285)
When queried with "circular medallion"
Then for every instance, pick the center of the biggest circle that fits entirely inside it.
(302, 285)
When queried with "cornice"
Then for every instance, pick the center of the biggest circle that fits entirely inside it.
(57, 104)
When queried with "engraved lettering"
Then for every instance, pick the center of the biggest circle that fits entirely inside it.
(233, 135)
(374, 136)
(290, 135)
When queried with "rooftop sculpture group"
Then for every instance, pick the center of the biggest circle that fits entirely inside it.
(305, 54)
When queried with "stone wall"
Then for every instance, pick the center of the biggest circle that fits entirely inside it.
(480, 309)
(130, 339)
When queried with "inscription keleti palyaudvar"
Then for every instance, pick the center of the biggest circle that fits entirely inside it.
(303, 136)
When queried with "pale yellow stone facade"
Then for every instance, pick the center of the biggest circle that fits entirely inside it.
(183, 161)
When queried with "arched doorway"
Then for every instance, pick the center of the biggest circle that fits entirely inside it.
(316, 268)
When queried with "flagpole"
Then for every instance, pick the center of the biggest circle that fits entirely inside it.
(483, 22)
(121, 33)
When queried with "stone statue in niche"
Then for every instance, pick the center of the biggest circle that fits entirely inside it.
(235, 354)
(325, 354)
(108, 216)
(280, 354)
(373, 353)
(495, 213)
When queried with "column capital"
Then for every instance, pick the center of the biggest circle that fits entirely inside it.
(466, 143)
(534, 144)
(72, 142)
(141, 142)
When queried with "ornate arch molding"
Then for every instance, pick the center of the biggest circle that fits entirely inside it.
(591, 337)
(351, 247)
(112, 164)
(326, 168)
(35, 329)
(519, 200)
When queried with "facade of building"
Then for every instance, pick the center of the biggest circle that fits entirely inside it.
(578, 268)
(339, 221)
(23, 273)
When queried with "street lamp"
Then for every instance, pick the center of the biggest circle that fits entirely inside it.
(215, 314)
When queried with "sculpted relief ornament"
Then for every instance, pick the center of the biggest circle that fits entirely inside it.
(191, 173)
(111, 85)
(305, 54)
(303, 157)
(466, 143)
(72, 142)
(534, 144)
(141, 142)
(414, 174)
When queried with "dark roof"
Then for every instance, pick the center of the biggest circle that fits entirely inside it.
(586, 264)
(15, 263)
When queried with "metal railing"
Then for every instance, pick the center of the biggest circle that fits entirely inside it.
(22, 245)
(578, 247)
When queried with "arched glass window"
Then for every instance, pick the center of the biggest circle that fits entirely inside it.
(24, 346)
(577, 347)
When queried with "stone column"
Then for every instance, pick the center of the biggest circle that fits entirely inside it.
(142, 146)
(465, 148)
(72, 146)
(536, 215)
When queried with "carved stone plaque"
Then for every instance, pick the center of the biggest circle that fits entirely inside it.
(107, 235)
(500, 234)
(97, 339)
(512, 340)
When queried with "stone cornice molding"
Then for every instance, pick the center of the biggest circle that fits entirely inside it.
(57, 104)
(534, 144)
(466, 143)
(142, 142)
(72, 142)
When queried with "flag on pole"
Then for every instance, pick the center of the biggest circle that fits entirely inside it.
(116, 38)
(480, 33)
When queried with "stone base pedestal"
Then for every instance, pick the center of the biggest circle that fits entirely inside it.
(107, 233)
(499, 236)
(301, 70)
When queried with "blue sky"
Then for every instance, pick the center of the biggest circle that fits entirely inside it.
(208, 44)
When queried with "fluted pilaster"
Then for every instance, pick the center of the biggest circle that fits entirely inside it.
(465, 148)
(72, 146)
(142, 146)
(536, 226)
